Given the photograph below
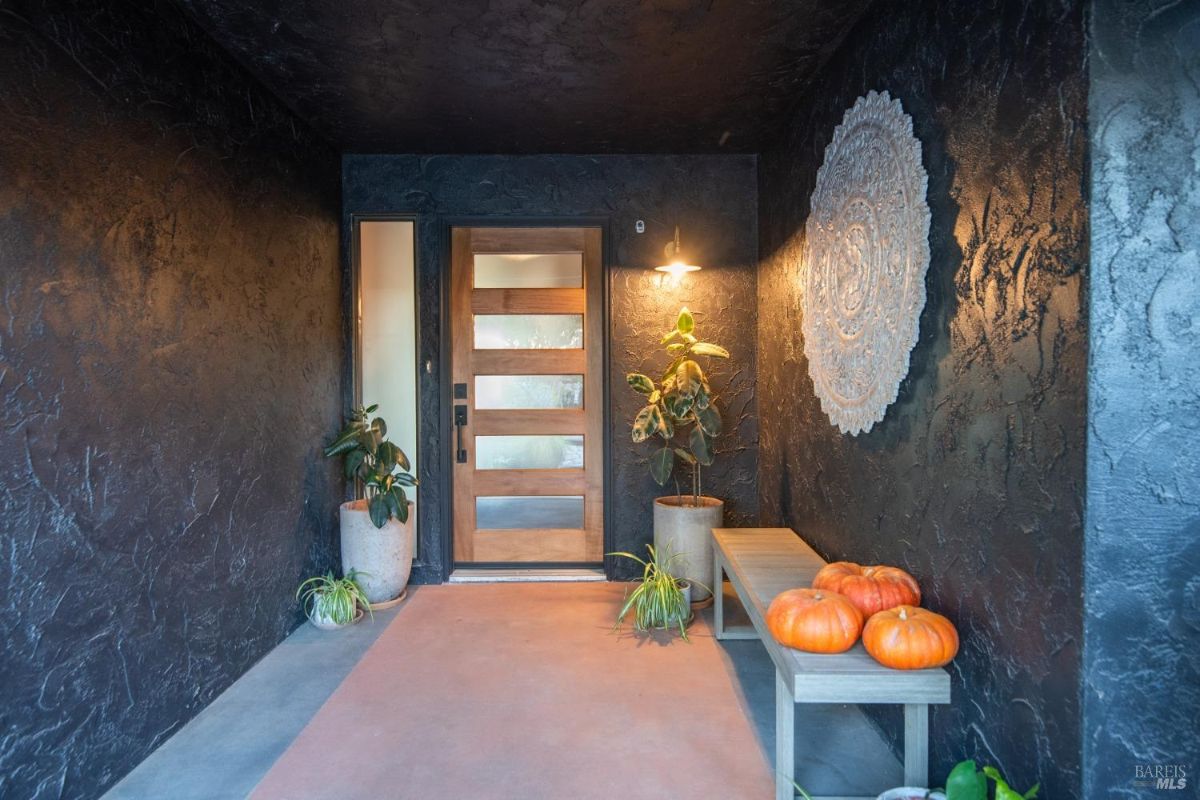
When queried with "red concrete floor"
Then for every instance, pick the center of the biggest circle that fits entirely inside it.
(523, 691)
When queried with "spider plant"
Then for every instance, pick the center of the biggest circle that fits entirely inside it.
(658, 601)
(325, 597)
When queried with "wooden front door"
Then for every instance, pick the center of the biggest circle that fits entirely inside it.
(526, 328)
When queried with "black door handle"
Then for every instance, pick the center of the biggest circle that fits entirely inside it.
(460, 419)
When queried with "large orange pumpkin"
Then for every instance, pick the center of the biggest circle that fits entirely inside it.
(815, 621)
(907, 637)
(872, 589)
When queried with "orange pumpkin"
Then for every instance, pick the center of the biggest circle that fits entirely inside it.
(815, 621)
(907, 637)
(872, 589)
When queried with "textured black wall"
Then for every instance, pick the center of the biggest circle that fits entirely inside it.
(711, 197)
(1142, 624)
(974, 480)
(170, 360)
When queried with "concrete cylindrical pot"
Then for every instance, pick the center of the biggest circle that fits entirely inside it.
(382, 557)
(687, 529)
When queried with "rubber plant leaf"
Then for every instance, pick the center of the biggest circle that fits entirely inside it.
(377, 508)
(686, 322)
(689, 378)
(700, 446)
(645, 424)
(710, 349)
(640, 383)
(661, 464)
(685, 455)
(710, 420)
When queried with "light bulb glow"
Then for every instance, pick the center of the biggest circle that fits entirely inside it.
(677, 268)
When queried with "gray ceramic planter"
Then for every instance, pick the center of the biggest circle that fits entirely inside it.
(382, 556)
(687, 529)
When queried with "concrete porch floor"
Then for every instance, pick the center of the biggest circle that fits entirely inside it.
(506, 690)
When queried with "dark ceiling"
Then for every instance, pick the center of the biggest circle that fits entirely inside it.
(523, 76)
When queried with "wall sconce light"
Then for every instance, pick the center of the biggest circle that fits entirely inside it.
(676, 264)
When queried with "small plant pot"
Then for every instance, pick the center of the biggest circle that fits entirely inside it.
(322, 621)
(687, 530)
(911, 793)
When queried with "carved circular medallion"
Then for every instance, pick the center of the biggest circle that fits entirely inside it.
(866, 254)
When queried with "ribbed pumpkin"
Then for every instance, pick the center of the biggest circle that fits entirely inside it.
(815, 621)
(872, 589)
(907, 637)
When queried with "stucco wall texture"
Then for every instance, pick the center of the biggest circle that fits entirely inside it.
(170, 356)
(1142, 623)
(974, 479)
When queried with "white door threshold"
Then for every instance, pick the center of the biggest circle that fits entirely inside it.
(525, 575)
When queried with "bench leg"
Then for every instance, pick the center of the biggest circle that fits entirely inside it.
(785, 733)
(718, 596)
(916, 744)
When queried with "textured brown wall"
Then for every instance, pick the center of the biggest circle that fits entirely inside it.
(169, 362)
(974, 479)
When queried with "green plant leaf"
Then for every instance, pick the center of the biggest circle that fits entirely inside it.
(709, 419)
(368, 441)
(685, 455)
(645, 423)
(676, 349)
(689, 378)
(640, 383)
(700, 446)
(354, 460)
(661, 464)
(379, 427)
(965, 783)
(703, 400)
(1032, 792)
(370, 409)
(401, 500)
(402, 460)
(709, 349)
(377, 508)
(686, 322)
(663, 426)
(668, 337)
(405, 479)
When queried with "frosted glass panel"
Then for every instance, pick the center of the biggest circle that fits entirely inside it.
(528, 452)
(528, 271)
(528, 391)
(388, 329)
(528, 331)
(507, 513)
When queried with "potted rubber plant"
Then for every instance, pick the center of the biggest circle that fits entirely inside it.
(331, 603)
(681, 418)
(661, 601)
(377, 531)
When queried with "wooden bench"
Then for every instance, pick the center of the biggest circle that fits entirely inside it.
(761, 563)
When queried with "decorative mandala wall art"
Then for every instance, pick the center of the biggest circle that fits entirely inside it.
(866, 254)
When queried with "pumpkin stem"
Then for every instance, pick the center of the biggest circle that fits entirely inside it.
(903, 613)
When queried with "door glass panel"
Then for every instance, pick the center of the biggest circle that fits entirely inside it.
(528, 452)
(507, 513)
(528, 271)
(528, 331)
(528, 391)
